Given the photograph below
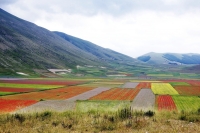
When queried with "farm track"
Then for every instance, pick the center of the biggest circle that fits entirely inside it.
(49, 105)
(89, 94)
(61, 105)
(145, 100)
(130, 85)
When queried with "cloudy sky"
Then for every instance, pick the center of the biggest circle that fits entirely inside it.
(132, 27)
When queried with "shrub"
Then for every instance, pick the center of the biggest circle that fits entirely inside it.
(149, 113)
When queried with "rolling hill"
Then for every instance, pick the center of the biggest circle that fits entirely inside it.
(170, 58)
(26, 46)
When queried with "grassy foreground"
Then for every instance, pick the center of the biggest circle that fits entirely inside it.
(123, 120)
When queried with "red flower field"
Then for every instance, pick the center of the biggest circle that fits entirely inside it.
(43, 82)
(165, 102)
(12, 105)
(121, 94)
(61, 93)
(144, 85)
(8, 89)
(188, 90)
(194, 82)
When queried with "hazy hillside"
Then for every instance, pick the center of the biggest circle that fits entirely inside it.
(24, 45)
(99, 52)
(170, 58)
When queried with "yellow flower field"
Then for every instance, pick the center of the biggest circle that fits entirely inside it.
(163, 89)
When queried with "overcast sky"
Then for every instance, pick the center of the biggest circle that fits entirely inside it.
(131, 27)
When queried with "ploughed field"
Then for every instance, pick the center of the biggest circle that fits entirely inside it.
(98, 94)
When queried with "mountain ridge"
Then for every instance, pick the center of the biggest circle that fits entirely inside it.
(170, 58)
(24, 45)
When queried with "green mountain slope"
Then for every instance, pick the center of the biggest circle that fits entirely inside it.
(170, 58)
(26, 46)
(99, 52)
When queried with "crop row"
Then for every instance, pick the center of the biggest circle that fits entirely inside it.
(165, 102)
(9, 89)
(34, 86)
(116, 94)
(187, 103)
(120, 94)
(61, 93)
(188, 90)
(42, 82)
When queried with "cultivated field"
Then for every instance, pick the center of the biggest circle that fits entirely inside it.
(105, 104)
(48, 93)
(165, 102)
(163, 89)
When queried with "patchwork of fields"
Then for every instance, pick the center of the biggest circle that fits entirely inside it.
(99, 94)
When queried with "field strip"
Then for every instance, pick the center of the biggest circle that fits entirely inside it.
(54, 94)
(61, 105)
(130, 85)
(145, 100)
(8, 89)
(35, 86)
(187, 103)
(188, 90)
(88, 94)
(151, 81)
(116, 83)
(50, 105)
(42, 82)
(163, 89)
(101, 106)
(7, 106)
(165, 102)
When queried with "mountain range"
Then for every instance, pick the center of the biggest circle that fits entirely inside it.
(24, 45)
(170, 58)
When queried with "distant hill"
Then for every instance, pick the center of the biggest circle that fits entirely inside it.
(24, 45)
(170, 58)
(192, 69)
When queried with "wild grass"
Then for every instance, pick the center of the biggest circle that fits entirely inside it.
(123, 120)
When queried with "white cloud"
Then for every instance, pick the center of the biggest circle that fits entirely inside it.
(130, 27)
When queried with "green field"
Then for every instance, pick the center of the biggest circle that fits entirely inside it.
(35, 86)
(163, 89)
(101, 106)
(179, 83)
(160, 75)
(187, 103)
(6, 93)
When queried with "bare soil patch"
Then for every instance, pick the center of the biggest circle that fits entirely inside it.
(130, 85)
(145, 100)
